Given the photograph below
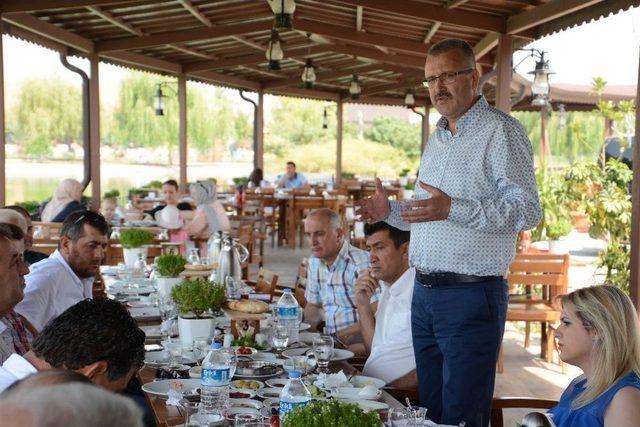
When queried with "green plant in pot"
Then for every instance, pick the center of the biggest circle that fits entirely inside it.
(330, 413)
(169, 268)
(197, 301)
(555, 230)
(134, 242)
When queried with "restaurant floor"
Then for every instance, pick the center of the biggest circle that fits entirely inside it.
(525, 374)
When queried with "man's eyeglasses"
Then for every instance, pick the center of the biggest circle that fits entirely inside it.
(445, 78)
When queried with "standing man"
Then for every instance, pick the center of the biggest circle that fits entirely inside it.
(292, 179)
(477, 191)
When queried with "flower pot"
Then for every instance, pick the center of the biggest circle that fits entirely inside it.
(407, 194)
(558, 246)
(580, 221)
(190, 328)
(403, 180)
(131, 255)
(165, 284)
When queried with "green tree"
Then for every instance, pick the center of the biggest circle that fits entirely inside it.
(397, 133)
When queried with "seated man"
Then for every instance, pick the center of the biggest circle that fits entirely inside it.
(13, 335)
(333, 270)
(387, 332)
(171, 197)
(292, 179)
(30, 256)
(97, 338)
(66, 277)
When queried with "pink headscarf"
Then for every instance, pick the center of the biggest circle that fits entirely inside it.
(68, 191)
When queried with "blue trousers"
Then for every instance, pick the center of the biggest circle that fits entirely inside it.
(457, 331)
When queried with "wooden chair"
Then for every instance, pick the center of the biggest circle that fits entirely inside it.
(301, 283)
(265, 283)
(500, 403)
(50, 230)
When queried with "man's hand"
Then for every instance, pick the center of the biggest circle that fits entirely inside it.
(375, 208)
(435, 208)
(366, 286)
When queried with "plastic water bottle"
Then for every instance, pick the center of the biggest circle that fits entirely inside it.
(287, 313)
(294, 394)
(215, 383)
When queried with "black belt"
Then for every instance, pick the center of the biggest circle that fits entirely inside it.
(434, 280)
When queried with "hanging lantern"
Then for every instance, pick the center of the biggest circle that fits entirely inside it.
(409, 99)
(309, 74)
(159, 102)
(540, 87)
(354, 88)
(562, 116)
(274, 52)
(283, 12)
(325, 119)
(540, 101)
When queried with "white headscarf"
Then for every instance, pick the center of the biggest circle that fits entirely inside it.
(204, 194)
(68, 191)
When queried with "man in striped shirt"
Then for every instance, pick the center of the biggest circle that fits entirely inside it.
(331, 277)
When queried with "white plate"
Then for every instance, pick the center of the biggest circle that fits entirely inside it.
(353, 393)
(277, 382)
(304, 326)
(368, 405)
(236, 347)
(249, 394)
(338, 353)
(341, 354)
(270, 392)
(234, 388)
(299, 351)
(308, 337)
(268, 357)
(361, 381)
(145, 313)
(161, 388)
(162, 358)
(195, 372)
(231, 413)
(252, 403)
(138, 286)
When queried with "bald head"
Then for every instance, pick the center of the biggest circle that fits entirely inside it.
(45, 378)
(328, 215)
(9, 216)
(323, 228)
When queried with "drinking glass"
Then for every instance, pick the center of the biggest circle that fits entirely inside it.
(323, 350)
(280, 337)
(232, 360)
(231, 288)
(175, 350)
(191, 418)
(300, 364)
(416, 416)
(200, 347)
(241, 420)
(167, 313)
(194, 258)
(397, 417)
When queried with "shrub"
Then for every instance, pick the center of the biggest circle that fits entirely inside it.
(135, 238)
(558, 228)
(331, 413)
(198, 296)
(170, 265)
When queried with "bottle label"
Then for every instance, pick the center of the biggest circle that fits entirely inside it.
(288, 312)
(215, 377)
(287, 407)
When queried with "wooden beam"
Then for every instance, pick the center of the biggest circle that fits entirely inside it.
(379, 100)
(339, 142)
(384, 88)
(503, 84)
(250, 43)
(11, 6)
(118, 22)
(195, 12)
(307, 93)
(225, 80)
(50, 31)
(365, 52)
(321, 76)
(259, 124)
(545, 13)
(3, 141)
(343, 33)
(416, 9)
(144, 61)
(22, 33)
(455, 3)
(432, 32)
(486, 45)
(181, 36)
(359, 18)
(182, 120)
(94, 130)
(184, 49)
(634, 260)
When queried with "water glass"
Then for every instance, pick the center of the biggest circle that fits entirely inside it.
(280, 337)
(232, 360)
(231, 287)
(193, 257)
(175, 351)
(191, 418)
(323, 350)
(241, 420)
(200, 348)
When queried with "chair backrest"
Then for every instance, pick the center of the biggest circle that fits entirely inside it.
(301, 283)
(266, 282)
(549, 270)
(500, 403)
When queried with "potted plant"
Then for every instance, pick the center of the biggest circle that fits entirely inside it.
(169, 268)
(409, 190)
(330, 413)
(404, 177)
(197, 300)
(555, 230)
(134, 242)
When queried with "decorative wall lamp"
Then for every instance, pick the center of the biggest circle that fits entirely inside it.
(540, 87)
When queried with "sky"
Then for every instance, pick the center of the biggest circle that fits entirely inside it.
(608, 48)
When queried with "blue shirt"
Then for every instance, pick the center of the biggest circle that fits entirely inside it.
(297, 182)
(592, 414)
(487, 170)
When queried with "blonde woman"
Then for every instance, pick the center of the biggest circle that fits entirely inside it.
(65, 200)
(599, 334)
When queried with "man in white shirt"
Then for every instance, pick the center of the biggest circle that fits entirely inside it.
(66, 277)
(387, 331)
(97, 338)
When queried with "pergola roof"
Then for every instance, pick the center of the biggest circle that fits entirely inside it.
(382, 41)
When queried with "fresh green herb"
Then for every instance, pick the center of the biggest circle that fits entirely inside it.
(170, 265)
(112, 194)
(135, 238)
(331, 413)
(247, 342)
(198, 296)
(315, 391)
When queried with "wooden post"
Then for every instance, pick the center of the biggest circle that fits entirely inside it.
(182, 112)
(3, 163)
(544, 137)
(503, 87)
(425, 127)
(260, 132)
(94, 130)
(634, 262)
(339, 143)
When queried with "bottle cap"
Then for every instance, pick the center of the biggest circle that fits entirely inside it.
(294, 374)
(287, 290)
(215, 346)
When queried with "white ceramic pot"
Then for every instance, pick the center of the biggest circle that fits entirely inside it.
(131, 255)
(403, 180)
(407, 194)
(558, 247)
(165, 284)
(195, 328)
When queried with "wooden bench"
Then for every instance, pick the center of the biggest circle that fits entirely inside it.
(501, 403)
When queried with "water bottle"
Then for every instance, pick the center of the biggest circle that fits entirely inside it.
(287, 313)
(294, 394)
(215, 383)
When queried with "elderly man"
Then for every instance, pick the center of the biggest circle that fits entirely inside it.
(333, 270)
(13, 335)
(66, 277)
(30, 256)
(292, 179)
(477, 190)
(97, 338)
(387, 332)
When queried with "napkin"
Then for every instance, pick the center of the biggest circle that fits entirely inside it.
(173, 397)
(333, 380)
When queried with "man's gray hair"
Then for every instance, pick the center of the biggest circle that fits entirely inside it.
(331, 215)
(69, 405)
(461, 46)
(9, 216)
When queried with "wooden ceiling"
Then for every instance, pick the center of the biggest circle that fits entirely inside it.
(384, 42)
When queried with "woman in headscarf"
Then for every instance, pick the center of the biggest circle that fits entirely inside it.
(65, 200)
(209, 215)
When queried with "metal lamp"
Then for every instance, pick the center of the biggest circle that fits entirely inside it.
(409, 99)
(540, 87)
(274, 52)
(325, 119)
(159, 101)
(354, 88)
(308, 74)
(283, 12)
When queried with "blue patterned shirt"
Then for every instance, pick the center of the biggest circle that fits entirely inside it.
(487, 170)
(298, 181)
(333, 287)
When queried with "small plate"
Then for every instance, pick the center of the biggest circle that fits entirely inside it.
(270, 393)
(308, 337)
(341, 354)
(267, 357)
(353, 393)
(236, 347)
(304, 326)
(362, 380)
(156, 359)
(195, 372)
(161, 388)
(252, 369)
(298, 351)
(368, 405)
(277, 382)
(241, 394)
(245, 403)
(235, 385)
(231, 413)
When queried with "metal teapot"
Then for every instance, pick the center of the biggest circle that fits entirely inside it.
(231, 256)
(214, 246)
